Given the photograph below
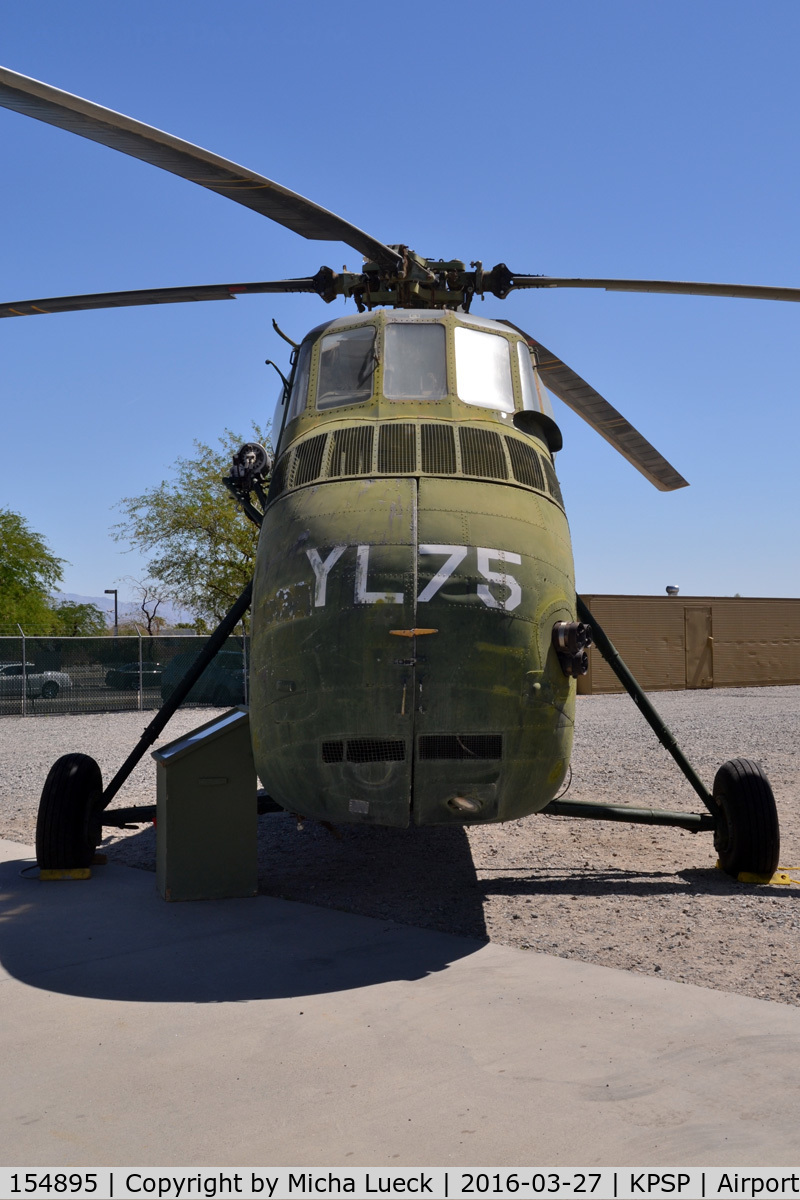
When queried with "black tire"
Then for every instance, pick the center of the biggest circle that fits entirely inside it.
(50, 689)
(69, 824)
(747, 834)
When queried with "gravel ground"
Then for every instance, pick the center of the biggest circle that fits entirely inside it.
(635, 897)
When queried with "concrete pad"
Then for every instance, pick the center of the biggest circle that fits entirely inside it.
(267, 1033)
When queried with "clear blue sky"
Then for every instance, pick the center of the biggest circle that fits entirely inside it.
(606, 138)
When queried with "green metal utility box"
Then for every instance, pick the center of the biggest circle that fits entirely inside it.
(207, 812)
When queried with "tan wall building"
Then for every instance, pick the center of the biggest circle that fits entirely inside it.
(675, 642)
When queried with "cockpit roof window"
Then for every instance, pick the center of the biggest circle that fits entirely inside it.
(415, 362)
(346, 367)
(483, 369)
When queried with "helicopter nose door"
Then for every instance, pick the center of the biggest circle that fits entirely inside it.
(332, 677)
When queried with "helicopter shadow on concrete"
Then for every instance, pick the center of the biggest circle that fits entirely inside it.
(693, 881)
(113, 937)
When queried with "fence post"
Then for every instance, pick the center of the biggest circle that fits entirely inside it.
(138, 630)
(244, 659)
(24, 673)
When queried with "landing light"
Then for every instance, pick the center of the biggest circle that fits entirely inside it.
(465, 804)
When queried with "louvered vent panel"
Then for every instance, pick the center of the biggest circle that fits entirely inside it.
(308, 460)
(397, 449)
(482, 454)
(438, 449)
(280, 471)
(525, 464)
(552, 482)
(461, 746)
(351, 452)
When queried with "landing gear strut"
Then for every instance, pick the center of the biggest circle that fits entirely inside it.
(741, 809)
(70, 820)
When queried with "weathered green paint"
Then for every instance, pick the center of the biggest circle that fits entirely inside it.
(330, 664)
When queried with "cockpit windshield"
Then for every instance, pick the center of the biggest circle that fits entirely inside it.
(483, 369)
(415, 362)
(346, 366)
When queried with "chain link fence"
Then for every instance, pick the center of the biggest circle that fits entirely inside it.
(40, 676)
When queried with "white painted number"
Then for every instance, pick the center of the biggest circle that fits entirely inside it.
(499, 577)
(457, 556)
(501, 590)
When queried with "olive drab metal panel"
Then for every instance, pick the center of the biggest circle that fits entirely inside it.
(489, 684)
(333, 685)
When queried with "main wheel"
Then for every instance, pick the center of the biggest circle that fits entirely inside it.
(69, 824)
(747, 835)
(50, 689)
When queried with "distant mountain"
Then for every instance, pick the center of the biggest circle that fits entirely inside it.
(127, 608)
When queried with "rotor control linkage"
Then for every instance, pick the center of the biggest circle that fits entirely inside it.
(571, 640)
(610, 653)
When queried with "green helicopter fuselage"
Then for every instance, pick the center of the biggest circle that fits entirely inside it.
(413, 559)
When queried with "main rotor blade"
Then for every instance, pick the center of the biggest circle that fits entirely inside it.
(741, 291)
(173, 295)
(582, 398)
(50, 104)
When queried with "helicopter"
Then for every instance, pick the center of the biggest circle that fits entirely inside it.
(416, 635)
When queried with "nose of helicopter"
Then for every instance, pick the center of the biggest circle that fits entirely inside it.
(405, 673)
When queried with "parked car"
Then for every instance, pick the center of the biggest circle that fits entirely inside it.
(127, 675)
(47, 684)
(221, 684)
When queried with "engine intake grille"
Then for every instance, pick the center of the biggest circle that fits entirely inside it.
(351, 451)
(552, 482)
(397, 449)
(308, 460)
(482, 453)
(438, 444)
(525, 464)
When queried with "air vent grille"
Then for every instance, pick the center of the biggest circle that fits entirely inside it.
(552, 482)
(438, 445)
(482, 454)
(525, 464)
(308, 460)
(277, 481)
(364, 750)
(461, 746)
(397, 449)
(351, 451)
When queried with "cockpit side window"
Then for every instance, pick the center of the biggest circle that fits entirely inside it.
(483, 369)
(534, 396)
(415, 362)
(299, 395)
(346, 366)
